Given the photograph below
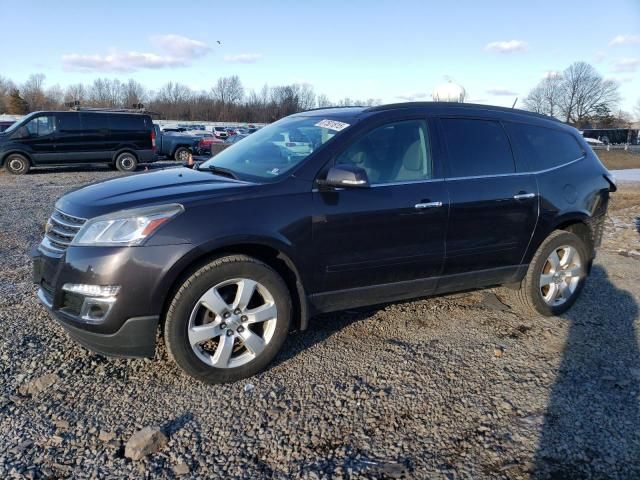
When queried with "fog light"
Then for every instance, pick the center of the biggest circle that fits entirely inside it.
(99, 291)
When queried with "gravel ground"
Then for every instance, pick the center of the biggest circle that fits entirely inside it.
(452, 387)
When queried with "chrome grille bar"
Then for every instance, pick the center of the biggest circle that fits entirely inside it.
(61, 230)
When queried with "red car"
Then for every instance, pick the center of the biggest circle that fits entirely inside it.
(206, 140)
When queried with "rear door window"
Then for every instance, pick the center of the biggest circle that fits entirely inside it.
(543, 148)
(477, 147)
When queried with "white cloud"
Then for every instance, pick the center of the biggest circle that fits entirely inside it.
(119, 62)
(179, 46)
(626, 65)
(243, 58)
(502, 92)
(177, 51)
(412, 97)
(625, 40)
(507, 46)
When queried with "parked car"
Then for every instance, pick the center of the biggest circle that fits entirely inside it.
(207, 139)
(235, 138)
(122, 140)
(176, 145)
(399, 201)
(4, 124)
(220, 132)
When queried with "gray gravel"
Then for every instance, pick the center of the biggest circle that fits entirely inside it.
(454, 387)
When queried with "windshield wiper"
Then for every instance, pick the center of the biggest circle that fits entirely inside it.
(220, 171)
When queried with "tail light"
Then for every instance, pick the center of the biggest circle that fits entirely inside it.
(153, 140)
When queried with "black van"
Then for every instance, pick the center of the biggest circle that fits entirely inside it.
(61, 138)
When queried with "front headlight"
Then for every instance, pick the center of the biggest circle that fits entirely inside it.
(126, 227)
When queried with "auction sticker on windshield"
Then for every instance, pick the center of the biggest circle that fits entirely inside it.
(332, 125)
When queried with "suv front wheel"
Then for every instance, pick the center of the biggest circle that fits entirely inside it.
(555, 276)
(228, 320)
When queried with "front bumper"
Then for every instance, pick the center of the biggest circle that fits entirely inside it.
(144, 275)
(136, 337)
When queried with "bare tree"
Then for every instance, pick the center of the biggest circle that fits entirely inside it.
(583, 90)
(546, 96)
(75, 93)
(132, 93)
(228, 90)
(33, 92)
(575, 96)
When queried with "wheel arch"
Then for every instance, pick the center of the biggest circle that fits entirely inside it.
(265, 251)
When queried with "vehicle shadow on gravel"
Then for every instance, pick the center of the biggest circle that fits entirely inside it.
(591, 426)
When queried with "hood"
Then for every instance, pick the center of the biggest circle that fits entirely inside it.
(172, 185)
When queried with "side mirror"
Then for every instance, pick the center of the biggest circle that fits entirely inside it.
(345, 176)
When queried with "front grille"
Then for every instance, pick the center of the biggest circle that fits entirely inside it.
(61, 230)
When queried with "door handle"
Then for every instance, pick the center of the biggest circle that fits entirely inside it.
(428, 205)
(523, 196)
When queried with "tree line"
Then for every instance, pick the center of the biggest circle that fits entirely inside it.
(227, 100)
(580, 96)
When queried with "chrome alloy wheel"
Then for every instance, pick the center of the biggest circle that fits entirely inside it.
(560, 275)
(232, 323)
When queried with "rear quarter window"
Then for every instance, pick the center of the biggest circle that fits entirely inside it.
(543, 148)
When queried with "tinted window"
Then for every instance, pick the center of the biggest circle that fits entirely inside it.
(43, 125)
(544, 148)
(94, 121)
(397, 152)
(127, 122)
(68, 122)
(477, 147)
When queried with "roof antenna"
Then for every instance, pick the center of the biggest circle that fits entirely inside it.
(514, 103)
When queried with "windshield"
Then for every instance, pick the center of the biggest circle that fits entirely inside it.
(18, 123)
(275, 149)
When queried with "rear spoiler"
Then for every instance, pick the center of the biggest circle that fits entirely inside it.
(611, 179)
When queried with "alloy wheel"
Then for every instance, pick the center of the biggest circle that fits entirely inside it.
(232, 323)
(560, 275)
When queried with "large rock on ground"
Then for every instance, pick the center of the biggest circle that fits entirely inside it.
(39, 384)
(143, 442)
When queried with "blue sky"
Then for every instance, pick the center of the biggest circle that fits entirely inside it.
(392, 50)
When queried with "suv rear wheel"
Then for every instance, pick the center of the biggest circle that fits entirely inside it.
(555, 276)
(17, 164)
(228, 320)
(126, 162)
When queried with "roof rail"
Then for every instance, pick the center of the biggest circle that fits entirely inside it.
(136, 108)
(478, 106)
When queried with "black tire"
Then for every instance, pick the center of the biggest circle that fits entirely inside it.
(126, 162)
(181, 154)
(186, 300)
(528, 299)
(17, 164)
